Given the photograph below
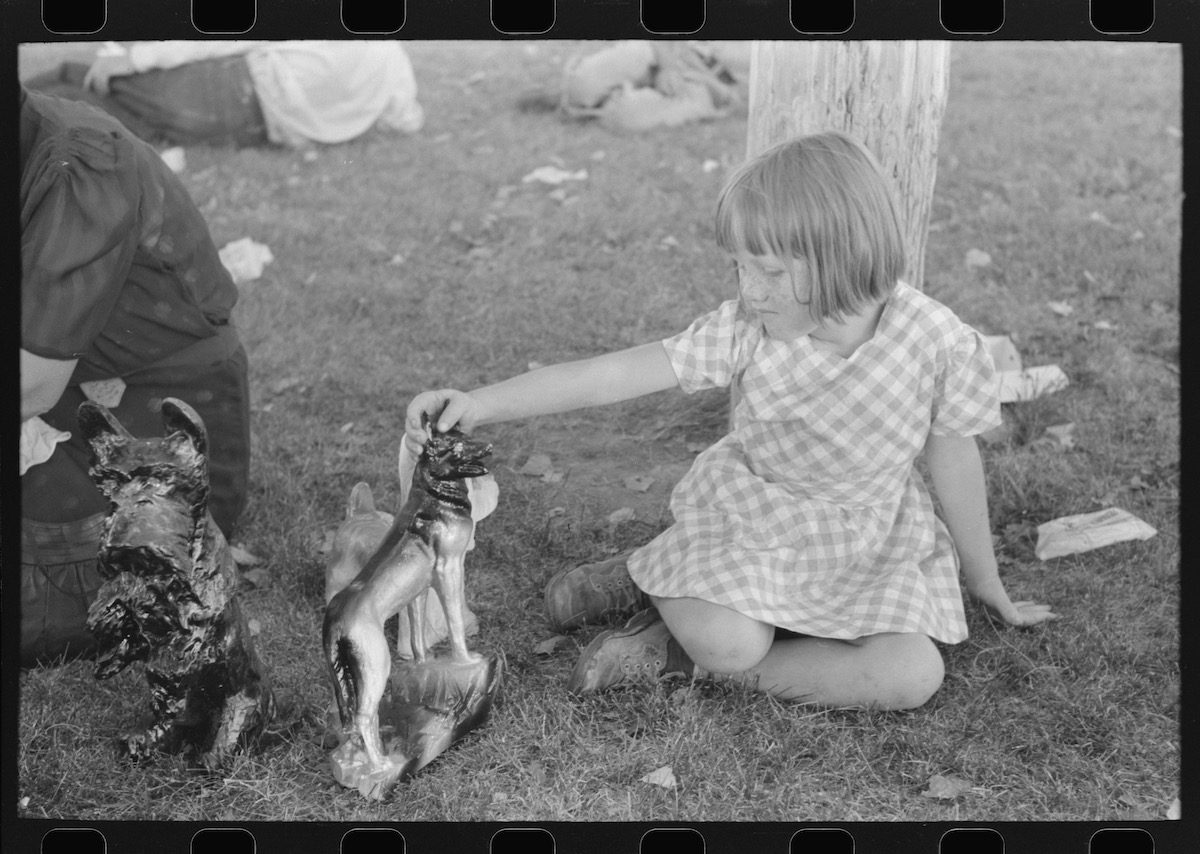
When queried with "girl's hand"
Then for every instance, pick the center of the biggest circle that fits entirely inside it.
(445, 408)
(1022, 613)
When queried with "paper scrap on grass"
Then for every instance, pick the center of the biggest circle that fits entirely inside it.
(977, 258)
(554, 175)
(1015, 382)
(946, 788)
(1003, 352)
(663, 776)
(1087, 531)
(1030, 383)
(245, 259)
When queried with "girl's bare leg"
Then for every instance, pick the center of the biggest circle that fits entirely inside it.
(883, 671)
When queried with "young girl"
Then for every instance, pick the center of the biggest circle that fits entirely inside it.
(809, 516)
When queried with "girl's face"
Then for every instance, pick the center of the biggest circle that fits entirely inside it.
(768, 289)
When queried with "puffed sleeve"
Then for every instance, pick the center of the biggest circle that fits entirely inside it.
(965, 401)
(79, 202)
(710, 352)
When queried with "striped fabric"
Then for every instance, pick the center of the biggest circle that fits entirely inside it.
(809, 515)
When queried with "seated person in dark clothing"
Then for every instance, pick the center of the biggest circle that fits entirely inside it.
(125, 301)
(290, 93)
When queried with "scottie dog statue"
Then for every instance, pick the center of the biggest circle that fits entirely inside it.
(169, 598)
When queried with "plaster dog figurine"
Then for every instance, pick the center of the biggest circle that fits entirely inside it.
(169, 598)
(423, 548)
(364, 528)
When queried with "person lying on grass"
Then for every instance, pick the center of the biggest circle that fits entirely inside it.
(805, 557)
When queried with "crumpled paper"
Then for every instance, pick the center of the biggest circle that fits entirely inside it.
(1087, 531)
(37, 442)
(245, 259)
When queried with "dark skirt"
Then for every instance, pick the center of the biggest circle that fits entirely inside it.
(210, 101)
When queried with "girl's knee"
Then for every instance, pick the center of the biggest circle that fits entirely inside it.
(716, 638)
(910, 671)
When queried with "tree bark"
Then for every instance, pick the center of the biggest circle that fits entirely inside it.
(890, 95)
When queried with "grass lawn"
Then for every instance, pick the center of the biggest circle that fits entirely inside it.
(406, 263)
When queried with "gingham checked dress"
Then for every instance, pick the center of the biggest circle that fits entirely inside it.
(810, 514)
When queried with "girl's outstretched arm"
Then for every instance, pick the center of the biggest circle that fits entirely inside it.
(956, 470)
(609, 378)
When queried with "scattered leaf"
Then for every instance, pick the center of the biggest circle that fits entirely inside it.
(243, 558)
(663, 776)
(978, 258)
(639, 482)
(1099, 218)
(254, 626)
(668, 242)
(1062, 309)
(1174, 811)
(397, 259)
(946, 788)
(347, 427)
(681, 696)
(538, 771)
(625, 514)
(553, 477)
(555, 512)
(554, 175)
(548, 646)
(538, 465)
(559, 195)
(1136, 482)
(1063, 435)
(710, 165)
(24, 803)
(1104, 326)
(280, 386)
(597, 156)
(310, 155)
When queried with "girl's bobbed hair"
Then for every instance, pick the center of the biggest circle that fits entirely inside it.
(822, 200)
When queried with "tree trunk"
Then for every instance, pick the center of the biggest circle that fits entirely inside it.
(890, 95)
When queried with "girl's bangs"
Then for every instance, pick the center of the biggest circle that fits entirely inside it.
(746, 223)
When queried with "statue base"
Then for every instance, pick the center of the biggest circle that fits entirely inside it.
(429, 708)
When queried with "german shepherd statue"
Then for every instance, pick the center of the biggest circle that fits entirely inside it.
(423, 548)
(169, 598)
